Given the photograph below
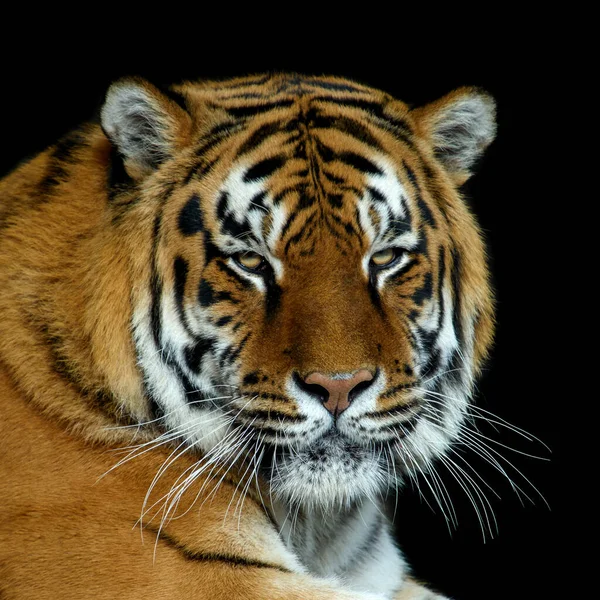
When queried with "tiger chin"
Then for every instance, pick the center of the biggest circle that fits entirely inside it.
(235, 315)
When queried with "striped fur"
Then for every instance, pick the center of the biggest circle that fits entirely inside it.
(129, 318)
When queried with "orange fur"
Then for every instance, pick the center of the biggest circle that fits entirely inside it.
(73, 264)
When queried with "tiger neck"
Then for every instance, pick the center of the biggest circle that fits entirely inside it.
(350, 543)
(324, 541)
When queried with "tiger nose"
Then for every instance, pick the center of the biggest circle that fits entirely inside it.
(338, 390)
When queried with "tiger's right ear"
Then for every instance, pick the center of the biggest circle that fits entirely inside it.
(145, 125)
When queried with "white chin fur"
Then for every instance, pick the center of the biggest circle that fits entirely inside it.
(327, 475)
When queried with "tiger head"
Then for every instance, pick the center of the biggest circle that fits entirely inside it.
(316, 296)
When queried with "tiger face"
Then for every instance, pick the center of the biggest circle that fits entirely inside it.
(317, 299)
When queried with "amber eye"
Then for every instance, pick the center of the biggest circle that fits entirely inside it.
(251, 261)
(384, 258)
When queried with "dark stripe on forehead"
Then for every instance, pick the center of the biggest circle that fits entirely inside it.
(399, 227)
(304, 232)
(377, 195)
(264, 168)
(261, 134)
(332, 85)
(216, 135)
(397, 126)
(346, 125)
(359, 162)
(293, 216)
(254, 109)
(190, 218)
(245, 82)
(228, 224)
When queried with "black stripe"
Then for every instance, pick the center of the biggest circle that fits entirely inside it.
(196, 555)
(374, 293)
(264, 168)
(331, 85)
(433, 363)
(441, 277)
(377, 195)
(264, 416)
(216, 135)
(254, 109)
(251, 378)
(230, 354)
(156, 285)
(335, 200)
(155, 409)
(292, 217)
(365, 550)
(258, 136)
(423, 293)
(273, 296)
(60, 157)
(397, 126)
(223, 321)
(224, 268)
(349, 126)
(180, 274)
(117, 178)
(190, 217)
(258, 202)
(194, 354)
(244, 82)
(206, 295)
(424, 210)
(175, 96)
(456, 278)
(359, 162)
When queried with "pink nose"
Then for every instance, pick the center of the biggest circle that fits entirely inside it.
(338, 390)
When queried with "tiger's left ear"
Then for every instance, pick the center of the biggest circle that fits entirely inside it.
(460, 126)
(146, 126)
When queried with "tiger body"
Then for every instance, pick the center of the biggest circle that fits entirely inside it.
(270, 291)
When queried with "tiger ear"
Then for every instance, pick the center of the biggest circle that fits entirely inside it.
(146, 126)
(460, 126)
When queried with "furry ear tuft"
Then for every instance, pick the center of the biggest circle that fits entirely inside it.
(144, 124)
(460, 126)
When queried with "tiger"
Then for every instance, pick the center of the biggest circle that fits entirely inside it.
(235, 315)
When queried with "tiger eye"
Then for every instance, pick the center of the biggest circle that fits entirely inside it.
(383, 257)
(250, 260)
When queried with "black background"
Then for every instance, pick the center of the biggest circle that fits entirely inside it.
(47, 95)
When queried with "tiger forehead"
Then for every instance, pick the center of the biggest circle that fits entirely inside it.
(298, 210)
(325, 168)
